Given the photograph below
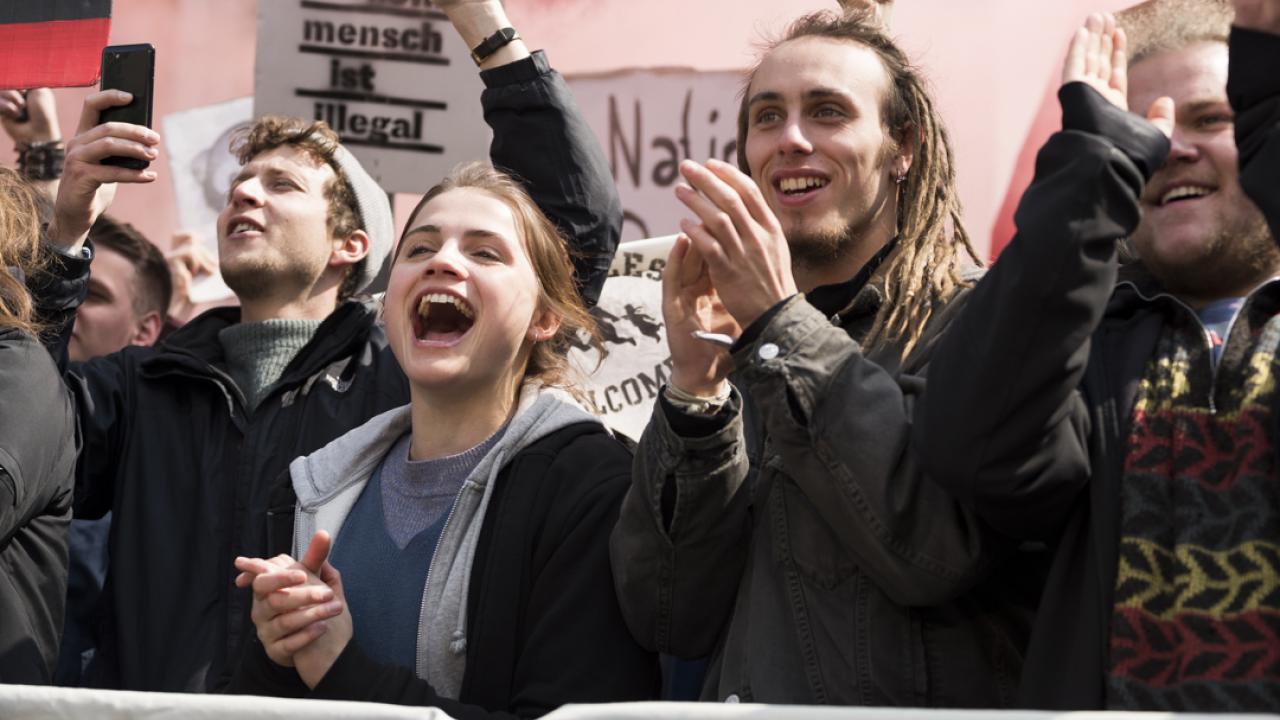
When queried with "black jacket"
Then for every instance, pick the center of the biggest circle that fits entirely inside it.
(170, 448)
(543, 623)
(1033, 390)
(37, 462)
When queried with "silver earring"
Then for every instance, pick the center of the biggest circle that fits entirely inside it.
(900, 179)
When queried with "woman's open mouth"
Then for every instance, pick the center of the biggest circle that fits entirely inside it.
(442, 319)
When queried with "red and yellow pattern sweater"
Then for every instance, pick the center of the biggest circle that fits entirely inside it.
(1196, 620)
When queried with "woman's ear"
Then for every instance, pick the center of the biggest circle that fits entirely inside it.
(545, 326)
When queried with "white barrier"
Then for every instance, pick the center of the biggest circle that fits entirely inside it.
(24, 702)
(29, 702)
(714, 711)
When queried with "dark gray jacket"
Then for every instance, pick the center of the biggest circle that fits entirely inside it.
(803, 546)
(37, 464)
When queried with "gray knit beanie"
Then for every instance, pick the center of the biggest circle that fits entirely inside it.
(375, 213)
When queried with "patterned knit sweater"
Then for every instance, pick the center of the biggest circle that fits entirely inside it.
(1196, 620)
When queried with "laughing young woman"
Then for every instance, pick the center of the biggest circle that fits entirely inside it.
(470, 527)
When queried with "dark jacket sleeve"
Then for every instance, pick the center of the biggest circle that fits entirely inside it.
(257, 674)
(99, 388)
(680, 544)
(573, 644)
(540, 136)
(1253, 86)
(1003, 425)
(58, 290)
(102, 389)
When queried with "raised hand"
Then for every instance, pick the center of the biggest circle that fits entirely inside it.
(1098, 57)
(1261, 15)
(41, 122)
(188, 259)
(738, 237)
(88, 186)
(690, 303)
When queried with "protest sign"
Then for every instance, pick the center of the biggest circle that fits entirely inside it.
(391, 77)
(622, 388)
(197, 143)
(52, 43)
(650, 120)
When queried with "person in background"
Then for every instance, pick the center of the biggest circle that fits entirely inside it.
(1125, 412)
(38, 446)
(126, 303)
(30, 119)
(128, 295)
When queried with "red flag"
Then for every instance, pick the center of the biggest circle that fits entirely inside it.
(52, 43)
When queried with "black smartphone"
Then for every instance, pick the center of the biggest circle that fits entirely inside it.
(131, 68)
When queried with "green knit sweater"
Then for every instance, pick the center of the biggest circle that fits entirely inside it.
(258, 352)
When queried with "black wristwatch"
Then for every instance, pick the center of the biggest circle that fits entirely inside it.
(493, 43)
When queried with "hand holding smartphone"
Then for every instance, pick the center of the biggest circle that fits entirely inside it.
(130, 68)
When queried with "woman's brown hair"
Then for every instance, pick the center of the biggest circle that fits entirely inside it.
(19, 250)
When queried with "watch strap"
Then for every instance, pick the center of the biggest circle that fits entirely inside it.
(493, 43)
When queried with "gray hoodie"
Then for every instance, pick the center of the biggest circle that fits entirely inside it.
(329, 481)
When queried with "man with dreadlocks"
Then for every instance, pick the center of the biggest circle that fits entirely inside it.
(781, 524)
(1126, 414)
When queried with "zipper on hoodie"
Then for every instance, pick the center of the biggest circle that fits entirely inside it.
(431, 566)
(297, 530)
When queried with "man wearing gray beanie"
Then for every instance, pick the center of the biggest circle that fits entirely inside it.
(185, 441)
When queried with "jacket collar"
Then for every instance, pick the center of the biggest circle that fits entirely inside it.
(353, 456)
(856, 297)
(1137, 289)
(196, 347)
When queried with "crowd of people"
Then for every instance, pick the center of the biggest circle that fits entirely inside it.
(902, 480)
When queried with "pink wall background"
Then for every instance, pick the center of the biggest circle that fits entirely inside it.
(990, 62)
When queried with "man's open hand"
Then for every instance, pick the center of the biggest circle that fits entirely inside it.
(739, 238)
(1098, 57)
(690, 304)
